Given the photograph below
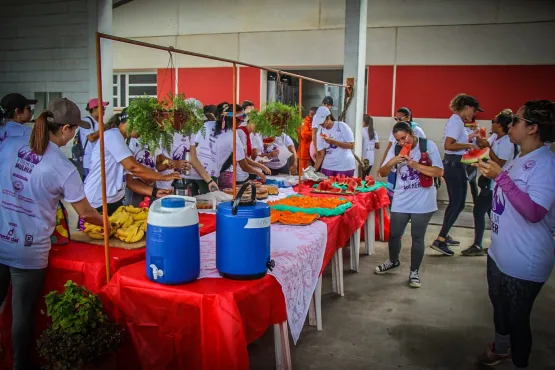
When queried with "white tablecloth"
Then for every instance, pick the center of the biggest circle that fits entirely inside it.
(298, 252)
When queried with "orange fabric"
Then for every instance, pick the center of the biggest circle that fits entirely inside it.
(305, 138)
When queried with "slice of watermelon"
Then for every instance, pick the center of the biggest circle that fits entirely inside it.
(406, 150)
(483, 132)
(474, 155)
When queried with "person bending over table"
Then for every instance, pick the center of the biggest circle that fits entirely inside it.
(415, 196)
(118, 160)
(335, 145)
(36, 176)
(521, 256)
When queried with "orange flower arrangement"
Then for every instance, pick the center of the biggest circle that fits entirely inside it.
(292, 218)
(309, 202)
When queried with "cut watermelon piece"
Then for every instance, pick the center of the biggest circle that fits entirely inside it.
(323, 135)
(369, 181)
(335, 190)
(483, 132)
(474, 155)
(406, 150)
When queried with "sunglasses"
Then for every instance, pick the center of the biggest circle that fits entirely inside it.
(400, 119)
(518, 118)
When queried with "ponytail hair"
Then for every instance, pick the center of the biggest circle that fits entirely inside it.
(40, 136)
(369, 122)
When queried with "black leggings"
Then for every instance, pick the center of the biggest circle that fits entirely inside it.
(472, 175)
(512, 301)
(454, 174)
(482, 207)
(112, 207)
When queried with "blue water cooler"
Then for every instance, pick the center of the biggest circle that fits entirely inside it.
(173, 240)
(243, 238)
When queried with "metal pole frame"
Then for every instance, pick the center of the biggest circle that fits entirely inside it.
(171, 49)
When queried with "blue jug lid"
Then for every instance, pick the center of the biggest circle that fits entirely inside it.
(173, 203)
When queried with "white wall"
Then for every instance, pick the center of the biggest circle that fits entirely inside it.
(44, 47)
(292, 33)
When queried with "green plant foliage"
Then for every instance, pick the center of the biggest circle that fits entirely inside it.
(80, 332)
(276, 118)
(156, 129)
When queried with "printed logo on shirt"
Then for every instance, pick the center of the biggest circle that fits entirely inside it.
(28, 240)
(179, 153)
(410, 177)
(145, 158)
(9, 236)
(529, 165)
(27, 159)
(497, 208)
(18, 186)
(20, 176)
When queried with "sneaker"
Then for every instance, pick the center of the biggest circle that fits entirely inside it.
(414, 280)
(442, 248)
(386, 267)
(490, 358)
(473, 251)
(450, 241)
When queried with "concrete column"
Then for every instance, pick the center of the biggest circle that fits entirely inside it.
(100, 19)
(355, 64)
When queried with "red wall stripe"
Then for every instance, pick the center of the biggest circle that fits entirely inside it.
(209, 85)
(165, 82)
(380, 90)
(427, 90)
(249, 85)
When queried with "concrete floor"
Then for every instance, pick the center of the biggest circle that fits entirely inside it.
(383, 324)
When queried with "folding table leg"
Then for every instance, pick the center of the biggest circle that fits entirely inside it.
(281, 344)
(370, 232)
(382, 233)
(318, 304)
(355, 250)
(334, 274)
(312, 311)
(340, 288)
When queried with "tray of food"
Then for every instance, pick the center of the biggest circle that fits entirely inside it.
(261, 193)
(293, 218)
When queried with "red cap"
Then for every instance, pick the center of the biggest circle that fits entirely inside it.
(93, 103)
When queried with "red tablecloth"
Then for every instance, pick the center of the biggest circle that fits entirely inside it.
(84, 264)
(340, 228)
(206, 324)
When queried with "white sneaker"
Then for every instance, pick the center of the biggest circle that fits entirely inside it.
(414, 280)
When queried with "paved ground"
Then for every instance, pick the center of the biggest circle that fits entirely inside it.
(383, 324)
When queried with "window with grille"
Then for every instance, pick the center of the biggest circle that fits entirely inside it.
(129, 85)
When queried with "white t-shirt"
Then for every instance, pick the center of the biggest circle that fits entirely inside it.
(31, 187)
(455, 129)
(180, 147)
(142, 154)
(13, 129)
(206, 150)
(409, 196)
(224, 148)
(281, 143)
(256, 142)
(336, 158)
(418, 132)
(522, 249)
(504, 149)
(83, 132)
(115, 151)
(492, 138)
(369, 145)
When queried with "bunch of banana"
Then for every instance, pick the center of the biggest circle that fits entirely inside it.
(96, 232)
(121, 218)
(132, 234)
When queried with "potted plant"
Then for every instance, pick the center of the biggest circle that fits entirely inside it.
(275, 119)
(80, 337)
(156, 122)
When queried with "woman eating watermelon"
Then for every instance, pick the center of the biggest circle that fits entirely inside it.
(335, 143)
(417, 162)
(522, 252)
(502, 152)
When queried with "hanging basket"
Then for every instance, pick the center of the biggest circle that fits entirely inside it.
(275, 119)
(177, 119)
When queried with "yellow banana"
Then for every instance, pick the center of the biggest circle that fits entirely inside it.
(132, 231)
(94, 235)
(138, 236)
(140, 216)
(132, 209)
(92, 228)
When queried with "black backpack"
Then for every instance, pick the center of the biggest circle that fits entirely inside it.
(423, 146)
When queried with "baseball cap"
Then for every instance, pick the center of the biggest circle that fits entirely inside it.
(12, 101)
(320, 115)
(471, 102)
(66, 112)
(93, 103)
(328, 100)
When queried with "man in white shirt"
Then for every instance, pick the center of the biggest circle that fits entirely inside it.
(89, 137)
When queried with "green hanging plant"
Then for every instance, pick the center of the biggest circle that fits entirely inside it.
(80, 333)
(156, 122)
(276, 118)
